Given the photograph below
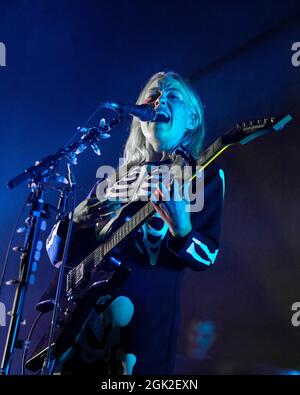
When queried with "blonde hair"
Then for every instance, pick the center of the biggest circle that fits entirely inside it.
(137, 150)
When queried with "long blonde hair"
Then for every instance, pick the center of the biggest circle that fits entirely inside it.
(137, 150)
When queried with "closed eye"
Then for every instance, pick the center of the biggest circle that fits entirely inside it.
(174, 95)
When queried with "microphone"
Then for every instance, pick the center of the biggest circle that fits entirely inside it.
(142, 111)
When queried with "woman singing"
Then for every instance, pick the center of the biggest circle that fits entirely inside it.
(135, 331)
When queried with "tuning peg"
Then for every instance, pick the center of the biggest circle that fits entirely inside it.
(96, 149)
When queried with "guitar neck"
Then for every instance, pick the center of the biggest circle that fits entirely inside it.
(212, 152)
(129, 226)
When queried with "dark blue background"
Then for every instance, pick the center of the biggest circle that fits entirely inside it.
(64, 57)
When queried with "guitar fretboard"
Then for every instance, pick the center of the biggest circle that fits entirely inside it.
(130, 225)
(209, 152)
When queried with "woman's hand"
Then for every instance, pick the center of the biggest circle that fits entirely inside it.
(90, 211)
(173, 208)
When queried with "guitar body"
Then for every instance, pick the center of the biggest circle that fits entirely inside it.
(73, 313)
(105, 275)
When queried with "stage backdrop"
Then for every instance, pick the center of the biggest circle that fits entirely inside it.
(63, 57)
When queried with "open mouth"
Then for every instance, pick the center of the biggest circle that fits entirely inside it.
(162, 116)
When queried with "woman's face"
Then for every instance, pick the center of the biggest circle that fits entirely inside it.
(167, 96)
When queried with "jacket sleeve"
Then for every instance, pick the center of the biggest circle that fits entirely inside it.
(199, 249)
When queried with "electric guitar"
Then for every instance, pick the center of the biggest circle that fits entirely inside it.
(86, 282)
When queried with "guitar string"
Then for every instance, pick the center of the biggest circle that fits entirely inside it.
(97, 254)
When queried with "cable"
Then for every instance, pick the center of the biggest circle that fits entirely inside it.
(27, 341)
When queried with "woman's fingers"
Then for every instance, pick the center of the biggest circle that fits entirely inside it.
(164, 192)
(91, 211)
(171, 193)
(177, 190)
(160, 206)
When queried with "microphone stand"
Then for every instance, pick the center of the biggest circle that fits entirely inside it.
(38, 176)
(26, 274)
(49, 361)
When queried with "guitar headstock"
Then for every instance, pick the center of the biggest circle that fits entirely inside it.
(246, 131)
